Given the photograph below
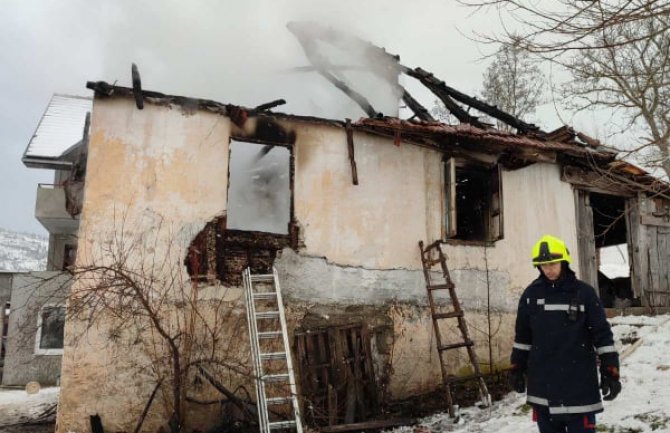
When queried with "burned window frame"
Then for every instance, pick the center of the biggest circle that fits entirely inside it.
(494, 224)
(39, 350)
(291, 169)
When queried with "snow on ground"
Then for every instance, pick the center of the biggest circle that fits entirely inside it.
(614, 261)
(17, 406)
(642, 407)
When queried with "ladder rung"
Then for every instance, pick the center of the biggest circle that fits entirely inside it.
(453, 379)
(262, 277)
(273, 401)
(267, 315)
(450, 315)
(273, 355)
(265, 295)
(432, 262)
(281, 425)
(275, 377)
(456, 345)
(269, 334)
(446, 286)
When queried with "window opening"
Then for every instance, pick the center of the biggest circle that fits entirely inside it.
(473, 202)
(50, 327)
(259, 194)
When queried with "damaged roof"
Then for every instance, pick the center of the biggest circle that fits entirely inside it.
(60, 128)
(421, 132)
(514, 150)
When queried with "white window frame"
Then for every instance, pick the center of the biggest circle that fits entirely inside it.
(38, 334)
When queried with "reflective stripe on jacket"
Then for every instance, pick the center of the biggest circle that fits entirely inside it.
(561, 328)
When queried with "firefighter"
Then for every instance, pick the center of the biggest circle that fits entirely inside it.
(561, 331)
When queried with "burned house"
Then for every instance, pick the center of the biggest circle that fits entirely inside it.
(338, 208)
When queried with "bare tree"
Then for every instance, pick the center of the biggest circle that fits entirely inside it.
(132, 289)
(513, 82)
(555, 27)
(632, 79)
(616, 51)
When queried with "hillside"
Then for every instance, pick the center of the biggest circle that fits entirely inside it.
(22, 251)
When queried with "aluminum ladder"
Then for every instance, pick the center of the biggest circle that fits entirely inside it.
(431, 256)
(275, 332)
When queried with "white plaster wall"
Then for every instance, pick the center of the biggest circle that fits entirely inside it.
(398, 201)
(536, 202)
(377, 223)
(160, 173)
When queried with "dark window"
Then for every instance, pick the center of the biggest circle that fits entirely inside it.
(473, 202)
(52, 326)
(69, 255)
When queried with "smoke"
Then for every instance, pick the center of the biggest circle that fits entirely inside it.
(355, 66)
(232, 52)
(259, 192)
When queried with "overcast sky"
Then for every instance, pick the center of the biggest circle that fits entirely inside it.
(230, 51)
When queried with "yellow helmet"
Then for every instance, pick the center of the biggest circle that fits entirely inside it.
(550, 250)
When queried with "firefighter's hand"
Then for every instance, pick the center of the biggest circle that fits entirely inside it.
(518, 379)
(609, 382)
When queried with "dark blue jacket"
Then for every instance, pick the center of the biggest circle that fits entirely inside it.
(559, 352)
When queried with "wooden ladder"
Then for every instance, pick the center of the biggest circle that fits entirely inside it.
(431, 256)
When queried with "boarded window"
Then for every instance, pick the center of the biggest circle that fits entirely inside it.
(50, 327)
(336, 375)
(259, 194)
(473, 210)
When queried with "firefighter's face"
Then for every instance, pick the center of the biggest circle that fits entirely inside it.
(551, 270)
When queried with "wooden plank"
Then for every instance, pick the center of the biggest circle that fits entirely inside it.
(663, 246)
(633, 238)
(595, 182)
(450, 189)
(368, 369)
(586, 238)
(350, 147)
(359, 383)
(332, 406)
(654, 265)
(651, 220)
(321, 339)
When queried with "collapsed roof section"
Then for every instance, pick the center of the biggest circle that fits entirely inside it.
(387, 67)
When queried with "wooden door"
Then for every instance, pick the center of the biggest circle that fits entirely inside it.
(588, 271)
(652, 249)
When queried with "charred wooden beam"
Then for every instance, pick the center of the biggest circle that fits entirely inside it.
(418, 109)
(354, 95)
(439, 87)
(270, 105)
(245, 408)
(147, 406)
(137, 87)
(350, 147)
